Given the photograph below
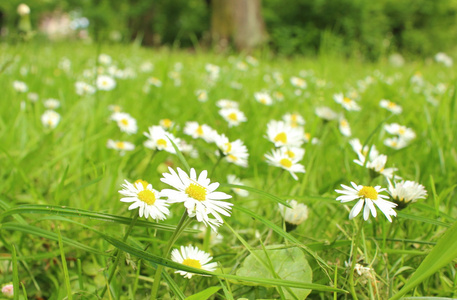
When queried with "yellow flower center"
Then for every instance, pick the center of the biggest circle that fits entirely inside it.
(167, 123)
(147, 196)
(233, 116)
(391, 105)
(263, 100)
(124, 122)
(293, 117)
(290, 153)
(285, 162)
(161, 142)
(368, 192)
(401, 131)
(228, 147)
(347, 100)
(120, 145)
(196, 191)
(232, 157)
(143, 182)
(281, 137)
(199, 130)
(344, 123)
(192, 263)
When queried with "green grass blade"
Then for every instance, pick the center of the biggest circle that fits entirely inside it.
(442, 254)
(15, 275)
(422, 219)
(256, 191)
(64, 265)
(205, 294)
(180, 156)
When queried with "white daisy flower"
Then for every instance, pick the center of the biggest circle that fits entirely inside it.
(105, 83)
(294, 119)
(406, 192)
(234, 152)
(121, 146)
(147, 199)
(378, 166)
(158, 139)
(51, 103)
(391, 106)
(166, 124)
(279, 158)
(325, 113)
(20, 86)
(125, 122)
(104, 59)
(50, 119)
(362, 151)
(295, 153)
(225, 103)
(298, 82)
(232, 179)
(202, 95)
(233, 116)
(295, 215)
(367, 196)
(346, 102)
(402, 131)
(264, 98)
(193, 257)
(344, 127)
(199, 196)
(188, 149)
(283, 135)
(196, 130)
(395, 143)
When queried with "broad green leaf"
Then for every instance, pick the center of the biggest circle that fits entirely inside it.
(442, 254)
(205, 294)
(289, 264)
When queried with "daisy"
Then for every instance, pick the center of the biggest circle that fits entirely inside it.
(377, 165)
(105, 83)
(120, 146)
(225, 103)
(444, 59)
(50, 119)
(402, 131)
(196, 130)
(166, 124)
(104, 59)
(367, 196)
(278, 96)
(391, 106)
(193, 257)
(264, 98)
(298, 82)
(83, 88)
(125, 122)
(395, 143)
(158, 139)
(232, 179)
(146, 199)
(406, 192)
(344, 127)
(20, 86)
(293, 119)
(234, 152)
(295, 153)
(325, 113)
(293, 216)
(283, 135)
(33, 97)
(51, 103)
(362, 151)
(202, 95)
(279, 158)
(346, 102)
(199, 196)
(233, 116)
(188, 149)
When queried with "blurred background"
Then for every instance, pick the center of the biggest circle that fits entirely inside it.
(369, 29)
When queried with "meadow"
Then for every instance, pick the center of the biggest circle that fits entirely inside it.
(83, 126)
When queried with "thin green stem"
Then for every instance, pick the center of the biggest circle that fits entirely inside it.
(185, 220)
(354, 259)
(221, 156)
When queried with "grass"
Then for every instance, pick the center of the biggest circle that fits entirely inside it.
(64, 230)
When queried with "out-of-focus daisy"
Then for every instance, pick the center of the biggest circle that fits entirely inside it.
(115, 108)
(202, 95)
(377, 166)
(366, 196)
(344, 126)
(234, 152)
(252, 60)
(242, 66)
(147, 67)
(193, 257)
(146, 198)
(402, 131)
(395, 143)
(51, 103)
(295, 153)
(417, 79)
(346, 102)
(293, 119)
(203, 131)
(105, 83)
(282, 135)
(362, 151)
(404, 193)
(33, 97)
(325, 113)
(83, 88)
(20, 86)
(199, 196)
(121, 146)
(158, 139)
(443, 58)
(232, 179)
(391, 106)
(225, 103)
(264, 98)
(279, 158)
(50, 119)
(293, 216)
(125, 122)
(166, 124)
(298, 82)
(278, 78)
(278, 96)
(154, 81)
(188, 149)
(104, 59)
(213, 71)
(233, 116)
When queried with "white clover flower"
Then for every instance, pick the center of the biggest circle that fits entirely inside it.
(192, 257)
(406, 192)
(147, 199)
(283, 135)
(105, 83)
(234, 152)
(391, 106)
(346, 102)
(233, 116)
(50, 119)
(232, 179)
(125, 122)
(199, 196)
(158, 139)
(325, 113)
(280, 158)
(367, 196)
(51, 104)
(295, 215)
(121, 146)
(264, 98)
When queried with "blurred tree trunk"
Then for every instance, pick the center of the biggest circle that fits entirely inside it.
(141, 22)
(239, 21)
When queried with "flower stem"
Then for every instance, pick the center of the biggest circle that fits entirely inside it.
(221, 156)
(354, 259)
(119, 255)
(179, 229)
